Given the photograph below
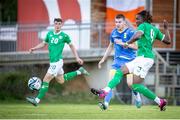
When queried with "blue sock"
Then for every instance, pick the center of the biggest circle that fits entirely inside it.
(108, 97)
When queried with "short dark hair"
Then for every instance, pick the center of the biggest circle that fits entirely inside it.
(147, 17)
(57, 20)
(118, 16)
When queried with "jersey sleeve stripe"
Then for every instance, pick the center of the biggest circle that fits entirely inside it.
(141, 31)
(45, 42)
(163, 38)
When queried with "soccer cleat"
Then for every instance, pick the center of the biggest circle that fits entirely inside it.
(102, 106)
(83, 71)
(138, 104)
(163, 104)
(100, 93)
(32, 100)
(94, 91)
(137, 99)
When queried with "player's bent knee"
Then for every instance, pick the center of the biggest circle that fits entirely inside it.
(60, 79)
(48, 77)
(129, 79)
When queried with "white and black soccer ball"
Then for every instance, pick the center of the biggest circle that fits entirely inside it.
(34, 83)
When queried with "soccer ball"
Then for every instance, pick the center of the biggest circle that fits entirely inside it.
(34, 83)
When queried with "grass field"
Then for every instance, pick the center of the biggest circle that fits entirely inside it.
(84, 111)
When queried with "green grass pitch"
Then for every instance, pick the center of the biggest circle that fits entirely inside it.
(85, 111)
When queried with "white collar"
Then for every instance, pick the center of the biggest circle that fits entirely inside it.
(57, 33)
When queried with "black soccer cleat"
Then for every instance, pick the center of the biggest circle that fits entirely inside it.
(102, 106)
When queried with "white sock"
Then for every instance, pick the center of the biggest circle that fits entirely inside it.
(78, 72)
(106, 104)
(107, 89)
(157, 100)
(37, 100)
(137, 97)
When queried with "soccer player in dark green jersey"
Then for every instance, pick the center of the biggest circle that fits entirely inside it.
(145, 36)
(56, 39)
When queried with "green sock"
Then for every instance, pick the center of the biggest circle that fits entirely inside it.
(43, 90)
(144, 90)
(116, 79)
(70, 75)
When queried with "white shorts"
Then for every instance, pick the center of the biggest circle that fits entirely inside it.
(140, 66)
(56, 68)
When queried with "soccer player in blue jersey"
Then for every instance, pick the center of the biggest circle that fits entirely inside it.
(119, 35)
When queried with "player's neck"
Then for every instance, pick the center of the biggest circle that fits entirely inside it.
(123, 29)
(57, 31)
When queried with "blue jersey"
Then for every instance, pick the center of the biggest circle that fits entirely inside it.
(122, 55)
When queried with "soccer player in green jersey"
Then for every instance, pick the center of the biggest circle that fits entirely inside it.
(56, 39)
(145, 36)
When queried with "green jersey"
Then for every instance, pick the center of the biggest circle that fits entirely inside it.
(56, 42)
(145, 43)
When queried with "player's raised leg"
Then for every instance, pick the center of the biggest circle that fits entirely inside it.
(70, 75)
(113, 83)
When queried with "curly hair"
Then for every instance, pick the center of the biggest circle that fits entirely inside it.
(147, 17)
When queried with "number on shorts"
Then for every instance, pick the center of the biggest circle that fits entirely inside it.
(53, 67)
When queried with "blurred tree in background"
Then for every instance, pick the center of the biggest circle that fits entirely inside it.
(8, 11)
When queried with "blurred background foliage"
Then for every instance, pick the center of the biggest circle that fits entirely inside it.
(8, 11)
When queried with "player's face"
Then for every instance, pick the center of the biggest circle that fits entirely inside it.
(120, 23)
(57, 26)
(139, 20)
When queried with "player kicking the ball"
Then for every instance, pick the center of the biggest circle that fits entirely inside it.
(119, 36)
(56, 40)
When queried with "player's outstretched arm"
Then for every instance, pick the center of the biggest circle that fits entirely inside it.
(74, 51)
(40, 45)
(167, 38)
(107, 53)
(135, 37)
(132, 45)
